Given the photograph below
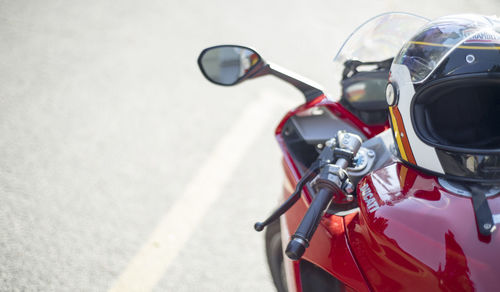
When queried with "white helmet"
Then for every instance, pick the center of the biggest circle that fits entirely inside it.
(444, 98)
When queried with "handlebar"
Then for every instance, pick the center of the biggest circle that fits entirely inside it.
(300, 240)
(332, 180)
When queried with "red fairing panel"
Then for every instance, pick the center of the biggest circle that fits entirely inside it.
(412, 234)
(328, 249)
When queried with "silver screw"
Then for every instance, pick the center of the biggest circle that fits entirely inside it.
(470, 58)
(330, 143)
(371, 153)
(349, 188)
(487, 226)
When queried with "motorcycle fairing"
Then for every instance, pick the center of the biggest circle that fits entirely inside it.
(329, 248)
(420, 236)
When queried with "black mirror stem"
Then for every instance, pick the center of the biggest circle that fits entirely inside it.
(310, 90)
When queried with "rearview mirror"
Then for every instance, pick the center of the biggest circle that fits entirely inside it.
(231, 64)
(228, 64)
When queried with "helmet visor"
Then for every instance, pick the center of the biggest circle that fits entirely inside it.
(427, 50)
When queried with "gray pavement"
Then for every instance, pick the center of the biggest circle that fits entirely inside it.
(104, 119)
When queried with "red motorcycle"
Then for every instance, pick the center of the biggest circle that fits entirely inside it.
(372, 203)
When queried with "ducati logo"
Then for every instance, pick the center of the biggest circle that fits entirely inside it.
(370, 201)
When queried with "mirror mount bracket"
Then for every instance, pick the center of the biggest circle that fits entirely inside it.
(309, 89)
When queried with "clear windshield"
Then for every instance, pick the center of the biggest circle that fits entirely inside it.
(378, 39)
(436, 40)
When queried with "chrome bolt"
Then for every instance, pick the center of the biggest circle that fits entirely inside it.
(349, 188)
(371, 153)
(330, 143)
(487, 226)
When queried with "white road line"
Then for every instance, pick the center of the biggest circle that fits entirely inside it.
(150, 263)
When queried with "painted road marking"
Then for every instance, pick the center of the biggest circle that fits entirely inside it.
(148, 266)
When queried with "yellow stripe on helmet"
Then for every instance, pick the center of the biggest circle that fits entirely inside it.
(460, 47)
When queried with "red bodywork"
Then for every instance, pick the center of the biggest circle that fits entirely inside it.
(421, 236)
(412, 235)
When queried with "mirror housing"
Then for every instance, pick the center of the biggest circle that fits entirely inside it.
(229, 64)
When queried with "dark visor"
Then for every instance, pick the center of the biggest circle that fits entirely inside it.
(461, 117)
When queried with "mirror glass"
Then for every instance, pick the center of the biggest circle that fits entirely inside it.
(227, 64)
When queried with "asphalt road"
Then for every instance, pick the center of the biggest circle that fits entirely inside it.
(107, 127)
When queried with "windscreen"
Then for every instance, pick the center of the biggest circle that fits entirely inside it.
(362, 64)
(378, 39)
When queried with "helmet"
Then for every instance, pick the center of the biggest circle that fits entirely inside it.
(444, 98)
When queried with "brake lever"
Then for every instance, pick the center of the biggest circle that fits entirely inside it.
(294, 197)
(324, 158)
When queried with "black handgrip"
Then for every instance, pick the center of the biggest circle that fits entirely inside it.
(300, 240)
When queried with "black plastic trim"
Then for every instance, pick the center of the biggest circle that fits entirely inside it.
(315, 279)
(453, 163)
(447, 176)
(310, 92)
